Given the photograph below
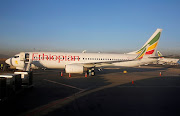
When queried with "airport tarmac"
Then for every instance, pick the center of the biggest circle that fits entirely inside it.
(141, 92)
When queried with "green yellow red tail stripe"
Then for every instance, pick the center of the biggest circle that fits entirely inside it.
(152, 45)
(142, 53)
(159, 54)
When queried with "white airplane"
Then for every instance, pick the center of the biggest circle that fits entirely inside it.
(163, 60)
(78, 62)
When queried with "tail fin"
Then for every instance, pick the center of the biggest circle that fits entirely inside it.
(159, 54)
(142, 53)
(153, 42)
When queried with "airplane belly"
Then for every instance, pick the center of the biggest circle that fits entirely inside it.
(51, 64)
(128, 64)
(134, 63)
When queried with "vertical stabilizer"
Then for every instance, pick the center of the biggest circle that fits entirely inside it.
(142, 53)
(159, 54)
(152, 42)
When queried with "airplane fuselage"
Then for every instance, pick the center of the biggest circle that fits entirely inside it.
(76, 62)
(58, 60)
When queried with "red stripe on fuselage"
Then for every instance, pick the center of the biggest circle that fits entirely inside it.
(150, 52)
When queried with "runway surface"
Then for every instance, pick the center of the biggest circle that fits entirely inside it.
(141, 92)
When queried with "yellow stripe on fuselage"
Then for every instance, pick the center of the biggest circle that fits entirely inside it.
(141, 56)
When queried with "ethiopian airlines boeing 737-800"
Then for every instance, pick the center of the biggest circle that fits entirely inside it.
(77, 62)
(163, 60)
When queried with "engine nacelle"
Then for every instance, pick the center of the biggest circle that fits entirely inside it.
(73, 68)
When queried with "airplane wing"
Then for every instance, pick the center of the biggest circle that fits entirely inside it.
(155, 57)
(108, 62)
(161, 56)
(139, 57)
(92, 64)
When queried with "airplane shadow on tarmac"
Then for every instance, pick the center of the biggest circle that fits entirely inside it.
(148, 97)
(130, 70)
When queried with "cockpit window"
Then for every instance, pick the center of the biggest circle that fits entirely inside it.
(16, 56)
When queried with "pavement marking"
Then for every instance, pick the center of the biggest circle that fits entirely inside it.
(37, 73)
(112, 68)
(45, 109)
(148, 86)
(64, 84)
(54, 105)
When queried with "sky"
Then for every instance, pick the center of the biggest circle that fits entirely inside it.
(93, 25)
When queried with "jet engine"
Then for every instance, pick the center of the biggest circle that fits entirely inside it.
(74, 68)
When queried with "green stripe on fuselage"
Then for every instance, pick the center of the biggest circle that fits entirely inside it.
(144, 50)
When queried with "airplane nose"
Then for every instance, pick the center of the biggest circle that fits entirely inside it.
(7, 61)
